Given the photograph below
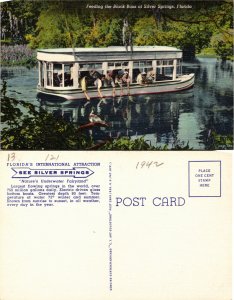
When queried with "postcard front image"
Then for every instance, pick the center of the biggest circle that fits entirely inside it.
(108, 76)
(94, 202)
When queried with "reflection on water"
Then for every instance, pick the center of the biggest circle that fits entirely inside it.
(171, 118)
(126, 116)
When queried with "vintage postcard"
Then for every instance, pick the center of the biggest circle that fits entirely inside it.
(104, 106)
(124, 75)
(83, 225)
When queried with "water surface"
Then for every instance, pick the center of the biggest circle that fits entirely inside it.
(173, 118)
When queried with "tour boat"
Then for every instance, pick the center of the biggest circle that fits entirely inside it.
(85, 73)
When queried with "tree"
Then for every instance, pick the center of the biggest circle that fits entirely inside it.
(223, 45)
(56, 28)
(105, 32)
(18, 18)
(47, 24)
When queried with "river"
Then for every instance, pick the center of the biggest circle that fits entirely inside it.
(163, 119)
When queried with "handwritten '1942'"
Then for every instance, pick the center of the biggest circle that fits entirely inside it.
(148, 164)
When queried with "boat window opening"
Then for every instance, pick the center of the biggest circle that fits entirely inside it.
(68, 74)
(90, 66)
(165, 62)
(142, 64)
(41, 73)
(118, 64)
(49, 69)
(135, 73)
(178, 70)
(168, 71)
(58, 75)
(164, 73)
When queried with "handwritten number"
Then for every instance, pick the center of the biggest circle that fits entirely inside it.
(51, 157)
(11, 156)
(148, 164)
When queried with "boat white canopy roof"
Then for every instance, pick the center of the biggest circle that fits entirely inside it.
(112, 53)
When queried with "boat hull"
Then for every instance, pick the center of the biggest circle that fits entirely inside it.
(167, 86)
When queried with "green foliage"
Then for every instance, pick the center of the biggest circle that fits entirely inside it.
(207, 52)
(58, 29)
(178, 34)
(29, 128)
(51, 24)
(219, 142)
(105, 32)
(18, 18)
(125, 143)
(146, 33)
(223, 44)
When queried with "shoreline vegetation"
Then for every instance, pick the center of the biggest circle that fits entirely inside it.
(210, 53)
(18, 55)
(23, 55)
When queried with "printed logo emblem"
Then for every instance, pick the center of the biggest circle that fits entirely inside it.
(73, 172)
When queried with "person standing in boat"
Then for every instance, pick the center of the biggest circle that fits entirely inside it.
(83, 83)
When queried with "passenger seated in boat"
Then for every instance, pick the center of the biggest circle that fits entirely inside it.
(67, 80)
(109, 81)
(83, 84)
(126, 80)
(56, 79)
(150, 76)
(141, 78)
